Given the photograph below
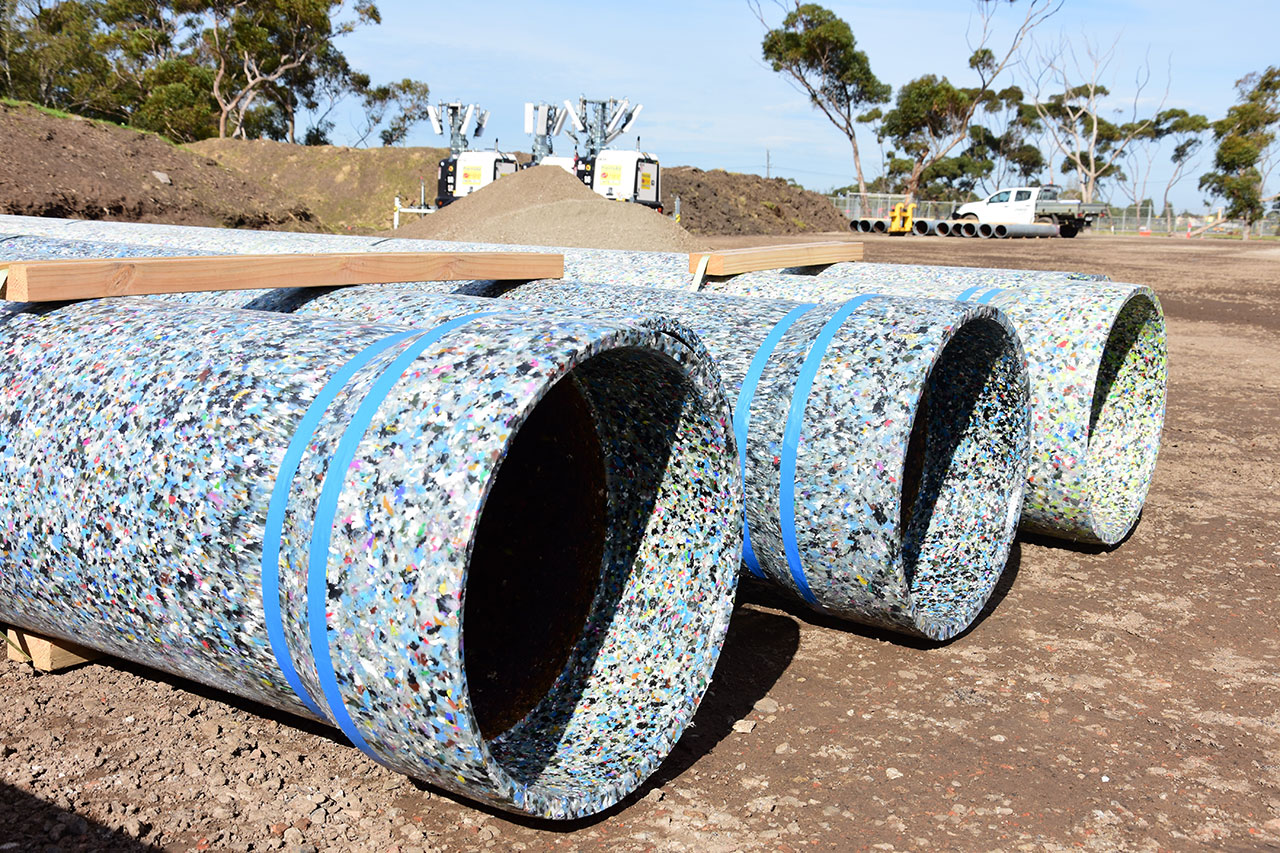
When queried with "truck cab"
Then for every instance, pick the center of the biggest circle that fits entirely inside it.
(1004, 207)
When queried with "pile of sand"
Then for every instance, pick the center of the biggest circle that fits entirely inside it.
(546, 206)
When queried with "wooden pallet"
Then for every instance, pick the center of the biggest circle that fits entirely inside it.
(734, 261)
(92, 278)
(44, 653)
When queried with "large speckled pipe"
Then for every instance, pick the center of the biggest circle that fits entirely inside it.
(1096, 353)
(314, 514)
(884, 441)
(1097, 358)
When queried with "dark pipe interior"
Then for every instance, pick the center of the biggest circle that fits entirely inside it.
(913, 467)
(536, 562)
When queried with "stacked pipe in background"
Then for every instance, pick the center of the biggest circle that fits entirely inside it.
(302, 511)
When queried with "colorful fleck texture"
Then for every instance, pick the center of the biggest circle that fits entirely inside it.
(1095, 435)
(1097, 359)
(136, 496)
(842, 540)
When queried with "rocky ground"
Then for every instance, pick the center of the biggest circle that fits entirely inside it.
(1108, 700)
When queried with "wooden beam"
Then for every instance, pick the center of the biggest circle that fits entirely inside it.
(59, 280)
(44, 653)
(734, 261)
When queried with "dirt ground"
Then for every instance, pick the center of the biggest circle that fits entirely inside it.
(717, 202)
(56, 166)
(1108, 700)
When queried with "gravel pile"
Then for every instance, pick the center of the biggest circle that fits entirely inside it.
(546, 206)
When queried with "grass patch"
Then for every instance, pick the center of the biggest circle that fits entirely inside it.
(56, 113)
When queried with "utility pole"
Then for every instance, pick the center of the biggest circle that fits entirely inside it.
(767, 163)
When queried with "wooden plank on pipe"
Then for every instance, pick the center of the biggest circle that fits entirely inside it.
(46, 654)
(60, 280)
(734, 261)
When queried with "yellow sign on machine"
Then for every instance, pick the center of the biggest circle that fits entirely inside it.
(473, 175)
(610, 174)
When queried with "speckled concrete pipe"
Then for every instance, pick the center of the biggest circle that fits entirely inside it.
(302, 511)
(861, 501)
(1097, 358)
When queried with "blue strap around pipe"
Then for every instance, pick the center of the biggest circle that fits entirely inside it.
(742, 413)
(985, 299)
(302, 436)
(791, 440)
(326, 515)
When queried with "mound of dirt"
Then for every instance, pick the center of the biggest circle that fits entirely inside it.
(720, 202)
(350, 189)
(546, 206)
(53, 165)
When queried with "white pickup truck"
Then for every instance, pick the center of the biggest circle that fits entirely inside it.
(1027, 205)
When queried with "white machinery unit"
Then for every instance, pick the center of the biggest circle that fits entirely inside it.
(566, 163)
(612, 173)
(464, 171)
(624, 175)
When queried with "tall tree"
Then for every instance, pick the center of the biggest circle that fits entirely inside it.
(254, 45)
(930, 116)
(1246, 139)
(817, 52)
(1092, 146)
(1004, 140)
(1177, 129)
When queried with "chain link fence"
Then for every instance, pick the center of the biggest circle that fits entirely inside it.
(1140, 220)
(880, 206)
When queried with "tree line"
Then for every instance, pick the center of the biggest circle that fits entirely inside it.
(194, 69)
(946, 142)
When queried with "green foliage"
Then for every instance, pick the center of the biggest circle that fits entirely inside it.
(1244, 136)
(191, 69)
(816, 50)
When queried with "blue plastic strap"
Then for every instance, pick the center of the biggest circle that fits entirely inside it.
(967, 294)
(326, 514)
(742, 413)
(302, 436)
(985, 299)
(791, 439)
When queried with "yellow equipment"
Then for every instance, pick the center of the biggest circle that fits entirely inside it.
(903, 218)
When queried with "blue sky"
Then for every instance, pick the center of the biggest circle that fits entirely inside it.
(711, 102)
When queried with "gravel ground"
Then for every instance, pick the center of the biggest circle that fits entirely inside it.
(1109, 700)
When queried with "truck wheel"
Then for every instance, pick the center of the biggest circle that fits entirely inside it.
(1065, 230)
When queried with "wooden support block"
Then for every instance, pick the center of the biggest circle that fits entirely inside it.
(56, 281)
(734, 261)
(45, 654)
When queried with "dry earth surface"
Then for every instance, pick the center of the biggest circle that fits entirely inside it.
(52, 165)
(1109, 700)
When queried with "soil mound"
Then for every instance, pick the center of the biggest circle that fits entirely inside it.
(546, 206)
(54, 165)
(720, 202)
(350, 189)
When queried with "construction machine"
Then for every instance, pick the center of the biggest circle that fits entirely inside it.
(464, 171)
(613, 173)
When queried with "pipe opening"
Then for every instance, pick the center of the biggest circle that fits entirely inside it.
(1126, 418)
(536, 561)
(593, 620)
(970, 444)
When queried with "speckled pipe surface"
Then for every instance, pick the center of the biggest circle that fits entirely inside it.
(1097, 357)
(843, 510)
(300, 511)
(604, 266)
(1096, 353)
